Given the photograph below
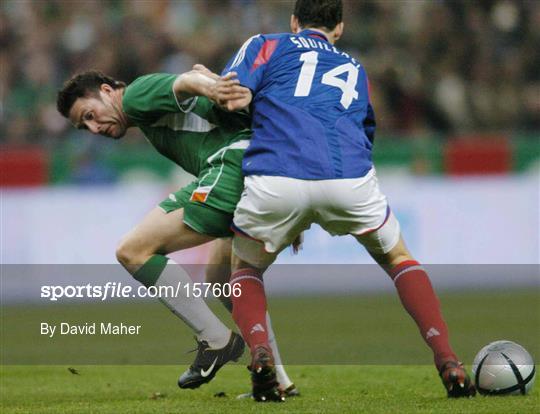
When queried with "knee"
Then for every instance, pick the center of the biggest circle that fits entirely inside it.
(390, 261)
(398, 258)
(130, 253)
(123, 252)
(397, 255)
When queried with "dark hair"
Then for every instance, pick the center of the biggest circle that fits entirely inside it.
(82, 85)
(319, 13)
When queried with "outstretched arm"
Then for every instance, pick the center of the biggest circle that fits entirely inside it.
(202, 82)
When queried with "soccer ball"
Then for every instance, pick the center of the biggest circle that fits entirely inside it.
(503, 368)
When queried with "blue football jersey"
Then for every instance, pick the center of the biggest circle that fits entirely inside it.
(312, 118)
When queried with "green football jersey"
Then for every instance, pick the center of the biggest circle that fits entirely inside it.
(189, 132)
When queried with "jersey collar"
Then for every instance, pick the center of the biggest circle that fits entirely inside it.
(314, 33)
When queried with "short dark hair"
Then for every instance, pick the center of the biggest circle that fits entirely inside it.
(82, 85)
(319, 13)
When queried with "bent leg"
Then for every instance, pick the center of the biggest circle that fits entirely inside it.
(158, 233)
(142, 253)
(413, 286)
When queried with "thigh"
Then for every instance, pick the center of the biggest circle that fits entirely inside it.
(163, 233)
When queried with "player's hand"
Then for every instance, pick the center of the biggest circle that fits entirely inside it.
(229, 94)
(205, 71)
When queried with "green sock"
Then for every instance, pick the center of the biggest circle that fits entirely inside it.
(149, 272)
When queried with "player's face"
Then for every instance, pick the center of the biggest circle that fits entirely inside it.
(100, 115)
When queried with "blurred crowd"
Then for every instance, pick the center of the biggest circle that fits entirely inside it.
(434, 66)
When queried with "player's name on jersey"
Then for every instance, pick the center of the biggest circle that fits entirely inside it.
(89, 328)
(309, 43)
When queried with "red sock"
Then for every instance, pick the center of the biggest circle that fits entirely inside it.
(419, 299)
(249, 308)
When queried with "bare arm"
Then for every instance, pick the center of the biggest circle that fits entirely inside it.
(225, 91)
(193, 83)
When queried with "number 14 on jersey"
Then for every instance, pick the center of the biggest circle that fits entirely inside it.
(330, 78)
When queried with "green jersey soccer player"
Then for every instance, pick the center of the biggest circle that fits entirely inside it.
(208, 143)
(203, 140)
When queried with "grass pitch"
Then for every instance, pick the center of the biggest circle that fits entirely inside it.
(320, 338)
(325, 389)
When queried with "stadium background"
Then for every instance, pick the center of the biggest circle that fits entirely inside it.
(456, 90)
(455, 86)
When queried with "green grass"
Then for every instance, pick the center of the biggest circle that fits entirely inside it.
(325, 389)
(321, 340)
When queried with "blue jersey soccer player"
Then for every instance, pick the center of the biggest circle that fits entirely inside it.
(309, 161)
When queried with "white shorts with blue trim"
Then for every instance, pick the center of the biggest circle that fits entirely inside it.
(275, 210)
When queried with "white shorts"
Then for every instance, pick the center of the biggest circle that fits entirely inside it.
(275, 210)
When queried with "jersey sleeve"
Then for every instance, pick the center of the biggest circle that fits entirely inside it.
(150, 97)
(250, 61)
(231, 121)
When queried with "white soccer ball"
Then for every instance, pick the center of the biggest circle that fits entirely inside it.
(503, 368)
